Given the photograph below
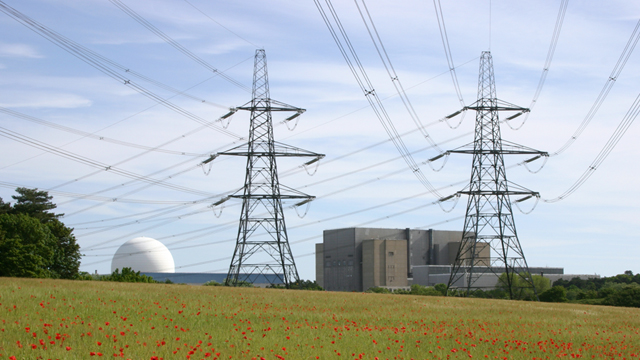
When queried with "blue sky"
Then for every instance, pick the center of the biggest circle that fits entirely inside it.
(592, 231)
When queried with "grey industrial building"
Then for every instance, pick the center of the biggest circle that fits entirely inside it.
(356, 259)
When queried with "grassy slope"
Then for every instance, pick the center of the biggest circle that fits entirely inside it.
(138, 321)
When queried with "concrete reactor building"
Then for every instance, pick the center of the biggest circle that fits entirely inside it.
(144, 254)
(356, 259)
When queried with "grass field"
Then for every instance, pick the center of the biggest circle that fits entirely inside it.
(56, 319)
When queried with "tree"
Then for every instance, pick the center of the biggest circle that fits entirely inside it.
(555, 294)
(127, 274)
(625, 295)
(26, 247)
(62, 259)
(521, 288)
(4, 207)
(35, 203)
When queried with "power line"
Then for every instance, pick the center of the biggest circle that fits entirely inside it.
(222, 26)
(619, 132)
(127, 10)
(98, 62)
(617, 69)
(85, 134)
(447, 50)
(395, 79)
(86, 161)
(361, 77)
(547, 63)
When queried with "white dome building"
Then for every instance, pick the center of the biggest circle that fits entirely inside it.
(144, 254)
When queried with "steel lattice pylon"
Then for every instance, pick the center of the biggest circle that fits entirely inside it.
(262, 245)
(489, 226)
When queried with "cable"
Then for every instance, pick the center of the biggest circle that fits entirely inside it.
(395, 80)
(361, 77)
(547, 63)
(85, 134)
(127, 10)
(622, 61)
(99, 63)
(447, 50)
(222, 26)
(619, 132)
(86, 161)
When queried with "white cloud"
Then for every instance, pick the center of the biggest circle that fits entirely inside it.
(42, 99)
(19, 50)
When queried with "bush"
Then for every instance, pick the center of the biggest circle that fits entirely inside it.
(442, 288)
(128, 275)
(212, 283)
(627, 295)
(555, 294)
(378, 290)
(424, 290)
(306, 285)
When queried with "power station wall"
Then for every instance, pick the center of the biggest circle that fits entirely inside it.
(384, 263)
(342, 254)
(319, 264)
(342, 258)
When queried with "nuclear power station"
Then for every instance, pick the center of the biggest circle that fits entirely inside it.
(356, 259)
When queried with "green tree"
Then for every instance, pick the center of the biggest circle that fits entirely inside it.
(127, 274)
(624, 295)
(4, 207)
(66, 252)
(26, 247)
(521, 288)
(555, 294)
(63, 259)
(35, 203)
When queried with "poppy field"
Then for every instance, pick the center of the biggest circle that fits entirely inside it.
(58, 319)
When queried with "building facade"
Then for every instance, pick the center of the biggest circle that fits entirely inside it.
(356, 259)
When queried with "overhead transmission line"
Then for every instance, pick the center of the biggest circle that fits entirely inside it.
(447, 52)
(357, 69)
(99, 63)
(334, 192)
(395, 79)
(547, 62)
(299, 169)
(617, 69)
(622, 128)
(142, 21)
(86, 161)
(85, 134)
(219, 24)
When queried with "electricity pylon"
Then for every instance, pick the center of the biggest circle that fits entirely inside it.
(262, 246)
(489, 228)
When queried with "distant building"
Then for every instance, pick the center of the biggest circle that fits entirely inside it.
(143, 254)
(356, 259)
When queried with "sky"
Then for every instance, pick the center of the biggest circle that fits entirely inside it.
(362, 181)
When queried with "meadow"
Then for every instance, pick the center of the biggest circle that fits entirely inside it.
(60, 319)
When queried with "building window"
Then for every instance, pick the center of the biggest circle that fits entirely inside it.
(391, 278)
(350, 263)
(328, 263)
(344, 262)
(390, 253)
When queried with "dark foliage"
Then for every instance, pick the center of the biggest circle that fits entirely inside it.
(128, 275)
(33, 241)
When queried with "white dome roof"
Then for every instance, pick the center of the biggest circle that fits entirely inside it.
(144, 254)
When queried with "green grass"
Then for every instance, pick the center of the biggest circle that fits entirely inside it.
(139, 321)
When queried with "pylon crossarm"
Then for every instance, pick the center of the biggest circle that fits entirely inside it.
(279, 150)
(499, 192)
(279, 106)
